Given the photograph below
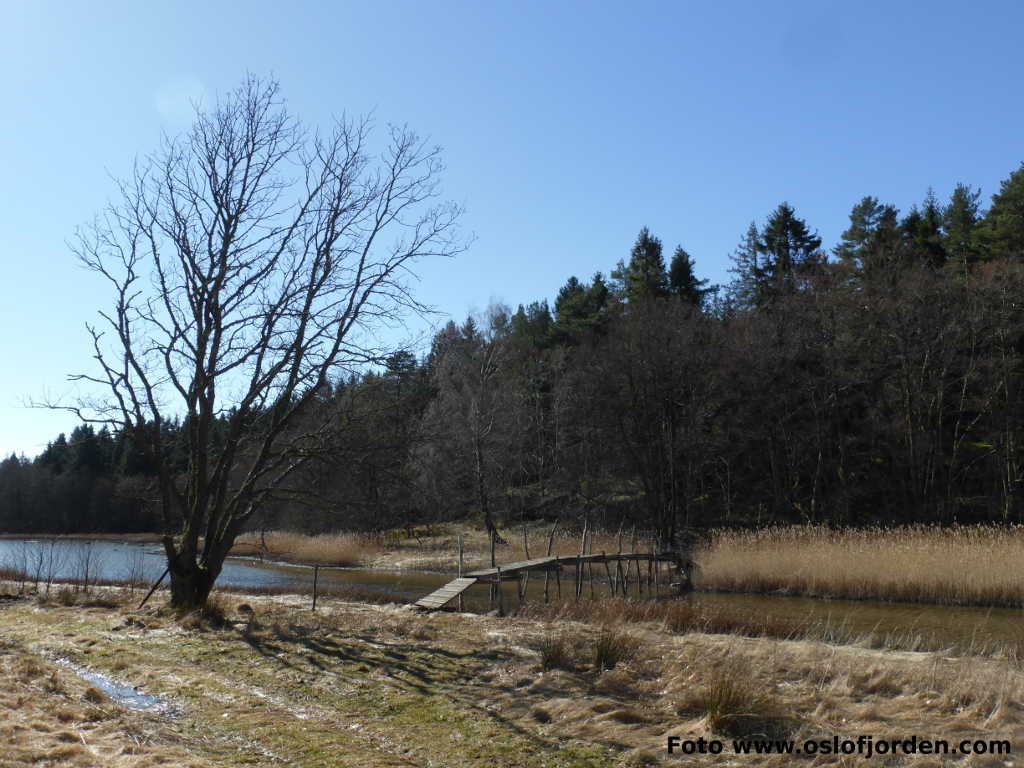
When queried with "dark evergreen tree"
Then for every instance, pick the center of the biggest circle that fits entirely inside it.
(579, 309)
(924, 241)
(533, 323)
(1002, 230)
(960, 223)
(683, 282)
(644, 277)
(872, 241)
(789, 251)
(748, 288)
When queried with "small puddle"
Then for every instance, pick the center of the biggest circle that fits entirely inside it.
(122, 694)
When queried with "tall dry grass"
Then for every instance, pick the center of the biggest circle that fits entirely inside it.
(975, 565)
(684, 616)
(345, 549)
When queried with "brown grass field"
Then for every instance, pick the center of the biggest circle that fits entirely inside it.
(366, 685)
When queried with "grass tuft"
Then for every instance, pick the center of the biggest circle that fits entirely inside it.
(556, 652)
(612, 647)
(732, 705)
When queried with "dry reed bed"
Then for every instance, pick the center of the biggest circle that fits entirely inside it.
(344, 549)
(976, 565)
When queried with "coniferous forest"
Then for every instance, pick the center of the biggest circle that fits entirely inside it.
(875, 381)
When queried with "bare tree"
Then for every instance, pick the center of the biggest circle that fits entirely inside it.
(472, 408)
(251, 261)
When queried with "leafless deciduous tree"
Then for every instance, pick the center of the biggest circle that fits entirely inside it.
(250, 261)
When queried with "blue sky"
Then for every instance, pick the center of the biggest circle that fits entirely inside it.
(566, 128)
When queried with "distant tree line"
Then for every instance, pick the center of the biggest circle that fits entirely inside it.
(876, 382)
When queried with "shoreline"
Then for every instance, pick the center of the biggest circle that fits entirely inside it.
(776, 566)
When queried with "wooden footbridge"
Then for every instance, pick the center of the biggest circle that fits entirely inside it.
(627, 571)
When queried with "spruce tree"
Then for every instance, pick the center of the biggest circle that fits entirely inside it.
(747, 289)
(872, 240)
(929, 241)
(645, 276)
(579, 308)
(1002, 231)
(682, 281)
(788, 250)
(960, 222)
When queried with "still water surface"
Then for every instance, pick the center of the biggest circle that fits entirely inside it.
(961, 627)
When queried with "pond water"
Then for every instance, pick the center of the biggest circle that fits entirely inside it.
(964, 628)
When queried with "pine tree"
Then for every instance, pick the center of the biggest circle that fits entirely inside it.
(872, 240)
(788, 250)
(579, 308)
(747, 289)
(1003, 228)
(960, 223)
(929, 241)
(644, 277)
(683, 282)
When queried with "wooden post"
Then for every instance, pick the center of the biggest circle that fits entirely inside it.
(618, 562)
(551, 544)
(460, 568)
(558, 577)
(494, 564)
(590, 565)
(501, 599)
(608, 572)
(316, 578)
(526, 544)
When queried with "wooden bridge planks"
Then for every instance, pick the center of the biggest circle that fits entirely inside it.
(514, 569)
(445, 594)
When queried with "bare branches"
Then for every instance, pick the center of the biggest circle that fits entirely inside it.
(249, 262)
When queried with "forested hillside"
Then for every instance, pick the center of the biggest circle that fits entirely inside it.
(876, 381)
